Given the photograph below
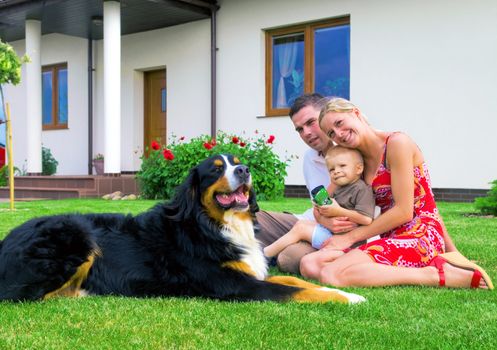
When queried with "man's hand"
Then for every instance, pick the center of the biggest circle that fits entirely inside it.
(337, 225)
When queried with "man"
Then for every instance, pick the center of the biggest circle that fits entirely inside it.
(304, 114)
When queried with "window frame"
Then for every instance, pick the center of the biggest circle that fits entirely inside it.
(54, 68)
(308, 29)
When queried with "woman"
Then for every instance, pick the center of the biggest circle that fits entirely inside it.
(413, 235)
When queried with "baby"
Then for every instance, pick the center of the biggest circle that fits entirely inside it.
(352, 198)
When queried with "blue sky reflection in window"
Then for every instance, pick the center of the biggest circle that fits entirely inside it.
(332, 61)
(47, 82)
(62, 80)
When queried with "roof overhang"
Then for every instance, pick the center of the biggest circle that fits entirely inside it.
(84, 18)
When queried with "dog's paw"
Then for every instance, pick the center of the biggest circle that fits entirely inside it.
(352, 298)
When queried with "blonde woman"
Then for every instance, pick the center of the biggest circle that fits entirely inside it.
(413, 235)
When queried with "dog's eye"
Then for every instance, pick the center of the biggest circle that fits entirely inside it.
(219, 169)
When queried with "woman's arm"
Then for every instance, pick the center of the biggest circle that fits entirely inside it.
(400, 160)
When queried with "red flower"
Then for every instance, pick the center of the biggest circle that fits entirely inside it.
(213, 142)
(168, 155)
(243, 144)
(207, 145)
(235, 139)
(155, 145)
(270, 139)
(181, 138)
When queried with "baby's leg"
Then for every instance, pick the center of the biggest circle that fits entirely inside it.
(301, 231)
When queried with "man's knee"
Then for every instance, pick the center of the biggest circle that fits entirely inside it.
(289, 259)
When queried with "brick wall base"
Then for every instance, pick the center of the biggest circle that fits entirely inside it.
(441, 194)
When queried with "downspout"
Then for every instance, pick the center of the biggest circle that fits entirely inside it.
(213, 72)
(90, 105)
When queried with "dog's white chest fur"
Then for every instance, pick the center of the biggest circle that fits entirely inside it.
(241, 233)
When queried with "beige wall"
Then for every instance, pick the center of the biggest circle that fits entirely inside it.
(426, 67)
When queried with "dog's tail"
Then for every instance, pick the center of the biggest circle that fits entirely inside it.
(45, 257)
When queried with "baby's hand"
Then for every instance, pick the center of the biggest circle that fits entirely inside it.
(330, 210)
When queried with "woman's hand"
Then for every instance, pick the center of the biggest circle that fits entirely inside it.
(339, 224)
(338, 242)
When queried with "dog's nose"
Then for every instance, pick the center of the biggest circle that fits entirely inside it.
(242, 172)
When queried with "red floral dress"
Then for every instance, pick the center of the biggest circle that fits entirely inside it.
(417, 242)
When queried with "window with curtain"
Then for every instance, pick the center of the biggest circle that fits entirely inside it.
(54, 97)
(313, 57)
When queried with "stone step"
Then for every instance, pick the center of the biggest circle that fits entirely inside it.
(60, 187)
(74, 182)
(40, 193)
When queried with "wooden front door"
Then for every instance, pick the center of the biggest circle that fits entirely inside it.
(155, 123)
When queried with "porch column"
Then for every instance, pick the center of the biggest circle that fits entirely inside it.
(33, 97)
(112, 87)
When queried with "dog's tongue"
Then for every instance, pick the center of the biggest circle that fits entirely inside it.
(237, 197)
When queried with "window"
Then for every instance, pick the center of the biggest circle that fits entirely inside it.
(307, 58)
(54, 97)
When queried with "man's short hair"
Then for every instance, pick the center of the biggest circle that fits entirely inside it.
(316, 100)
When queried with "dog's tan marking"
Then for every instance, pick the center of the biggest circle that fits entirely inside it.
(318, 296)
(292, 281)
(72, 288)
(239, 266)
(218, 162)
(236, 160)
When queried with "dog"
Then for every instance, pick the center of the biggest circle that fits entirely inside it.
(200, 244)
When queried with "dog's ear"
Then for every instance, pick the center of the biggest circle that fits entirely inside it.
(254, 207)
(186, 200)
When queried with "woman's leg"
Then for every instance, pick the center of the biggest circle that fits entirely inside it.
(357, 269)
(311, 264)
(301, 231)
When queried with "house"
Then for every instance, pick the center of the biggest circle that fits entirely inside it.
(423, 67)
(2, 140)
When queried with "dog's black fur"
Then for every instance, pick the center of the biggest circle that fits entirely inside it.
(186, 247)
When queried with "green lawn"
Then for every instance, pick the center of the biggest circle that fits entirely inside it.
(400, 317)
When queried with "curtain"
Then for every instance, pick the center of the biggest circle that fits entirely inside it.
(287, 57)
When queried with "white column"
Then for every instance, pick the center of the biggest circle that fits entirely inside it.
(112, 86)
(33, 96)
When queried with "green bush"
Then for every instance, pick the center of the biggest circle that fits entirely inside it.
(48, 162)
(488, 205)
(4, 175)
(167, 167)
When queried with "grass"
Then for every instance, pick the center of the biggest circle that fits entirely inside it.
(396, 317)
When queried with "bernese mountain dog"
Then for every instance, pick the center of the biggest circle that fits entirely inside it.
(200, 244)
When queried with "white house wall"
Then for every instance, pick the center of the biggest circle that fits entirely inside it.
(68, 146)
(184, 51)
(425, 67)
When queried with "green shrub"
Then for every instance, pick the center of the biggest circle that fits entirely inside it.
(4, 175)
(167, 167)
(488, 205)
(48, 162)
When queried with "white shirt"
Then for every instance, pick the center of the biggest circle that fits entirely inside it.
(315, 174)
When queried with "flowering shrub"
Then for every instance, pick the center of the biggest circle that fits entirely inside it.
(167, 166)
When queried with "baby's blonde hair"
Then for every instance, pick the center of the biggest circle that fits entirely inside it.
(336, 150)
